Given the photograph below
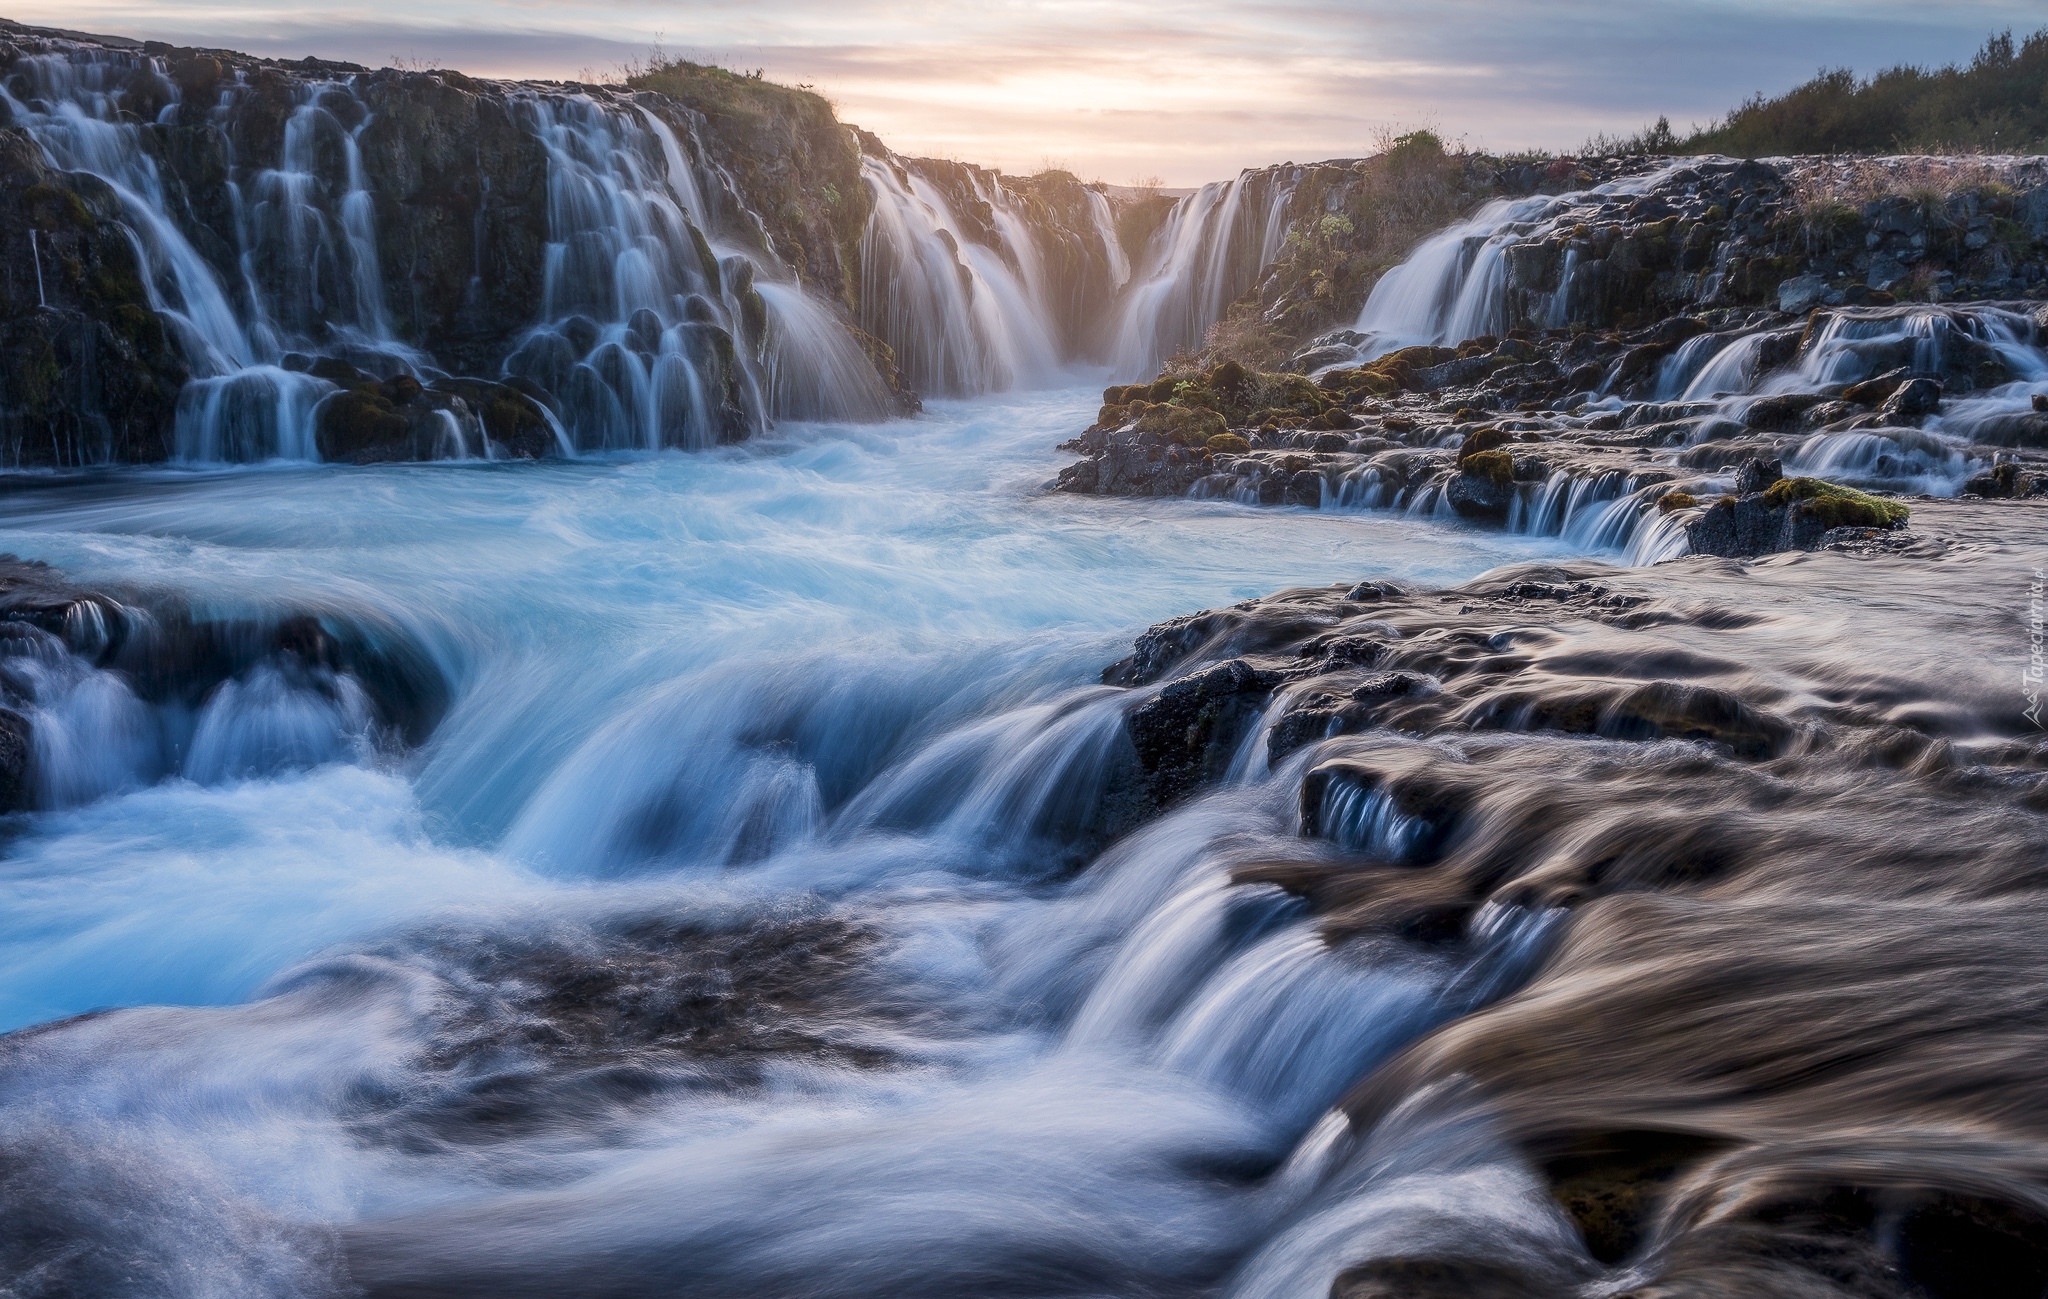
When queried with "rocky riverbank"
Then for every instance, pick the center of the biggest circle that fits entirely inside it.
(1667, 348)
(1793, 860)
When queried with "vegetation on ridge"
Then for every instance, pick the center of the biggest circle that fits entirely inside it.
(797, 166)
(1997, 103)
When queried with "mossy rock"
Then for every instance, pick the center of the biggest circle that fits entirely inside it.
(1836, 506)
(54, 208)
(1227, 444)
(1480, 440)
(1496, 467)
(1670, 502)
(359, 423)
(1185, 425)
(1420, 357)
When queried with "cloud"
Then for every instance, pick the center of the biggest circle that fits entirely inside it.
(1187, 90)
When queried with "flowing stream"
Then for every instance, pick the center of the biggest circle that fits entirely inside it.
(816, 712)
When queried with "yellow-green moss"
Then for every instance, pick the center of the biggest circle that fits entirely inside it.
(1186, 425)
(1837, 506)
(1497, 466)
(1481, 440)
(1227, 444)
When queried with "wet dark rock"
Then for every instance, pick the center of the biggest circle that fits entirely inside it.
(1874, 391)
(1792, 514)
(88, 372)
(1801, 294)
(1441, 1278)
(1912, 402)
(1187, 733)
(16, 750)
(1955, 1244)
(2002, 480)
(1756, 475)
(1781, 412)
(1612, 1183)
(1484, 486)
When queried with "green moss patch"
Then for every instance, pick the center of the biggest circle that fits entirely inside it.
(1836, 506)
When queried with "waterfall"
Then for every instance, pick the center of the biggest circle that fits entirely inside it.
(1210, 249)
(963, 317)
(1104, 223)
(663, 320)
(71, 106)
(1456, 284)
(1853, 345)
(637, 329)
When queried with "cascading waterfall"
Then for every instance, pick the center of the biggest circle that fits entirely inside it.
(638, 330)
(1850, 345)
(1209, 250)
(661, 324)
(1612, 511)
(1455, 285)
(962, 317)
(71, 106)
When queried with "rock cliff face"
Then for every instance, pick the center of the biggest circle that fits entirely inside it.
(242, 258)
(87, 371)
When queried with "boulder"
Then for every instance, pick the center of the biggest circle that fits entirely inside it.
(1913, 401)
(1484, 486)
(1801, 294)
(1187, 733)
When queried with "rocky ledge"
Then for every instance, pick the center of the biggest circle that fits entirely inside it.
(1550, 431)
(1665, 348)
(1780, 871)
(163, 689)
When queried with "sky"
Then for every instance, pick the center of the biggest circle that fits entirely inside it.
(1174, 91)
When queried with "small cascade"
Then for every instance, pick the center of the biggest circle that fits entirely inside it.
(1731, 369)
(259, 412)
(1210, 249)
(90, 735)
(1364, 820)
(278, 719)
(1462, 283)
(1947, 342)
(964, 316)
(1897, 459)
(1676, 373)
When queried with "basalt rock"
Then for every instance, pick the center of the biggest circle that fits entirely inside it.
(169, 654)
(87, 371)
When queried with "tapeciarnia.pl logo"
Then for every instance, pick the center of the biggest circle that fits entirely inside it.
(2037, 659)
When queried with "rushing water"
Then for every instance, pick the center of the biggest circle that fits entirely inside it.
(842, 677)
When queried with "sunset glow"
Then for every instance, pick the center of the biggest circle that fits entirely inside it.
(1187, 92)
